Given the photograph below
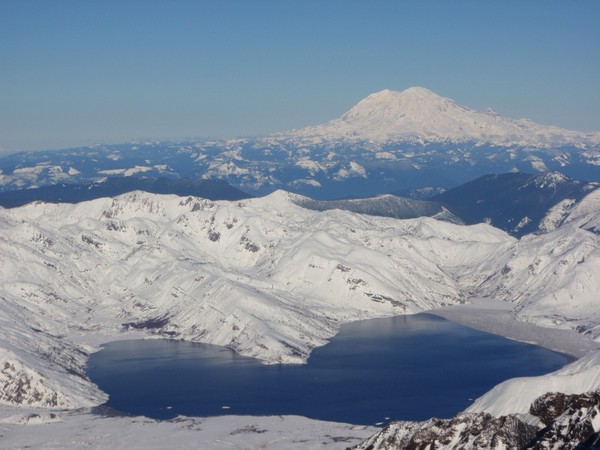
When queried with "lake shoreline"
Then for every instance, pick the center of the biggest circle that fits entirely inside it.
(388, 352)
(495, 317)
(65, 427)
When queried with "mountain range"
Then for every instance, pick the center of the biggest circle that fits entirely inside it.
(265, 277)
(276, 276)
(111, 187)
(517, 203)
(388, 142)
(420, 115)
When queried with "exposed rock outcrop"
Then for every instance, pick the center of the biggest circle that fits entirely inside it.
(565, 422)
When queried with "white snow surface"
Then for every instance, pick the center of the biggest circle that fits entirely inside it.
(76, 430)
(552, 278)
(126, 172)
(496, 317)
(418, 114)
(44, 171)
(556, 215)
(515, 396)
(265, 277)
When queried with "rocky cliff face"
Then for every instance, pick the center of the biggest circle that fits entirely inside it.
(572, 421)
(563, 422)
(472, 431)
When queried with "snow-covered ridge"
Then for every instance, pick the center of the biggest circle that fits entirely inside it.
(385, 205)
(551, 278)
(264, 276)
(418, 114)
(388, 142)
(516, 395)
(556, 421)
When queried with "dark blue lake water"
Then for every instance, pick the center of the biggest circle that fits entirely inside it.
(409, 367)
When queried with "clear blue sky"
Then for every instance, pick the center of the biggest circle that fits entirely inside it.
(76, 72)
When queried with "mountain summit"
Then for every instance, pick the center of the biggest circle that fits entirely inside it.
(420, 115)
(388, 142)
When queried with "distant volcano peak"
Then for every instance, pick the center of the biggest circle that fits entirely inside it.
(418, 114)
(391, 107)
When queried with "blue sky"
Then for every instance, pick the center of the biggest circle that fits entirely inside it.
(76, 72)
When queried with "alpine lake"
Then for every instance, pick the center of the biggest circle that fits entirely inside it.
(400, 368)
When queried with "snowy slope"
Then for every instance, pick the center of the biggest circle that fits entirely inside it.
(516, 395)
(553, 278)
(76, 430)
(418, 114)
(385, 206)
(560, 410)
(519, 203)
(265, 277)
(556, 421)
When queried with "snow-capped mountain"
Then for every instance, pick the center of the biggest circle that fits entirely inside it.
(550, 277)
(385, 206)
(420, 115)
(515, 396)
(111, 187)
(388, 142)
(265, 277)
(275, 277)
(517, 203)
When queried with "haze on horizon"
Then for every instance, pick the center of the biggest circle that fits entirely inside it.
(75, 73)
